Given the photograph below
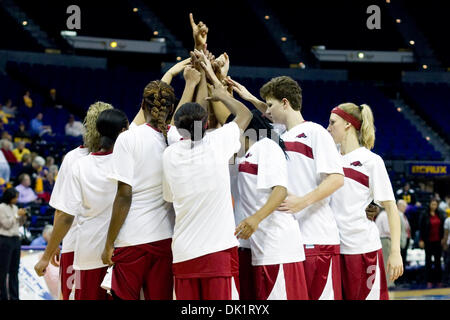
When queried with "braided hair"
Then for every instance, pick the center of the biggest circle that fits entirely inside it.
(159, 100)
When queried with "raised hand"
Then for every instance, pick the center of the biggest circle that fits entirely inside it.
(240, 89)
(217, 92)
(177, 68)
(221, 66)
(190, 74)
(199, 32)
(206, 65)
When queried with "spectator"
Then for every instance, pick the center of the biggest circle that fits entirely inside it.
(382, 223)
(53, 169)
(405, 235)
(74, 128)
(49, 183)
(5, 170)
(407, 194)
(4, 117)
(445, 204)
(11, 218)
(22, 134)
(6, 147)
(37, 127)
(431, 228)
(26, 165)
(27, 99)
(20, 151)
(49, 161)
(26, 194)
(8, 108)
(52, 101)
(42, 240)
(446, 247)
(39, 173)
(6, 136)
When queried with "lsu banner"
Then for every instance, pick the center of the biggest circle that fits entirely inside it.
(429, 169)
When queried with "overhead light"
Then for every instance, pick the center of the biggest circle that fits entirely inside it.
(302, 65)
(283, 39)
(155, 33)
(412, 42)
(135, 9)
(361, 55)
(68, 33)
(266, 17)
(398, 21)
(428, 138)
(178, 58)
(113, 44)
(24, 23)
(399, 109)
(388, 1)
(425, 66)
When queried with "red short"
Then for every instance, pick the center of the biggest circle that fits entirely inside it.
(322, 272)
(146, 266)
(213, 276)
(363, 276)
(66, 274)
(89, 285)
(285, 283)
(246, 275)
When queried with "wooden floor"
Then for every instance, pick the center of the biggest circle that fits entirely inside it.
(425, 294)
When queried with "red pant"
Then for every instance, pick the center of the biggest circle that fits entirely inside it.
(317, 271)
(146, 266)
(66, 274)
(89, 285)
(275, 284)
(213, 288)
(358, 275)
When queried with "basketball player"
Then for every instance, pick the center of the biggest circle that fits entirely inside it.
(315, 172)
(204, 246)
(275, 242)
(141, 225)
(366, 179)
(91, 140)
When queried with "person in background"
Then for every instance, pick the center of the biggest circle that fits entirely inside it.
(405, 235)
(4, 117)
(445, 203)
(431, 226)
(407, 194)
(11, 218)
(52, 101)
(22, 134)
(382, 223)
(74, 128)
(37, 127)
(49, 161)
(20, 150)
(446, 248)
(26, 165)
(43, 239)
(28, 102)
(26, 193)
(6, 147)
(5, 170)
(8, 108)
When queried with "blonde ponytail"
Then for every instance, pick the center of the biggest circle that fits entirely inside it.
(366, 134)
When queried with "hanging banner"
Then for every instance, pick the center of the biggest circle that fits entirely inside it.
(430, 169)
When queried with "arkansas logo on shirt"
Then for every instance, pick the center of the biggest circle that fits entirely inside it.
(301, 135)
(356, 164)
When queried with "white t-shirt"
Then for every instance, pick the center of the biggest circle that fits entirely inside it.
(277, 239)
(312, 156)
(366, 179)
(60, 194)
(238, 215)
(91, 202)
(447, 227)
(137, 161)
(197, 181)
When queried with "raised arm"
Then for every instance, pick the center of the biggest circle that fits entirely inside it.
(199, 33)
(248, 226)
(192, 78)
(246, 95)
(394, 264)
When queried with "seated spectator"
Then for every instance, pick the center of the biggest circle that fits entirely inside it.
(6, 147)
(37, 127)
(26, 194)
(445, 204)
(6, 136)
(26, 165)
(8, 108)
(407, 194)
(5, 170)
(43, 239)
(3, 115)
(20, 151)
(22, 134)
(49, 161)
(48, 184)
(27, 100)
(39, 173)
(74, 128)
(52, 101)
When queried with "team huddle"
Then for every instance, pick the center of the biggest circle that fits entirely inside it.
(209, 200)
